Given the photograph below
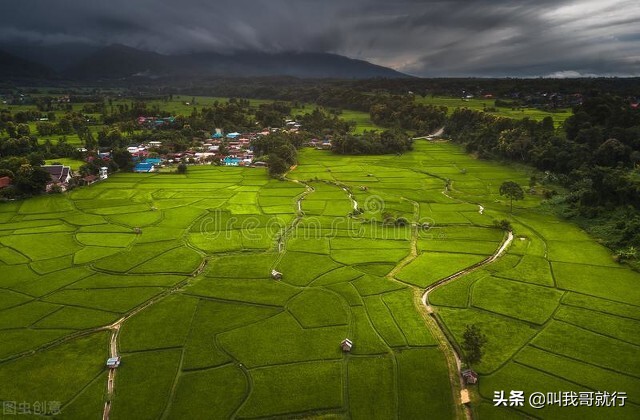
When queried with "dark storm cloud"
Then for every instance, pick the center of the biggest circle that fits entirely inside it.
(429, 38)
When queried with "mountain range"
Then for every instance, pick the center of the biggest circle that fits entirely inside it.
(122, 62)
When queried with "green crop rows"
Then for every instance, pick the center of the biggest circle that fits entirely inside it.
(209, 334)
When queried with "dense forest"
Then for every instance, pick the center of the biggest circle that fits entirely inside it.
(595, 157)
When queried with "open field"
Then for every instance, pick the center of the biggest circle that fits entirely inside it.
(221, 338)
(479, 104)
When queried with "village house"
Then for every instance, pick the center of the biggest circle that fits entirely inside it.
(143, 167)
(60, 176)
(5, 181)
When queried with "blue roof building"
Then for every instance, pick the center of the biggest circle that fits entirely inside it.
(143, 167)
(231, 161)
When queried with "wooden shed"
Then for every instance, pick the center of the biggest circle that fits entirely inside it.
(346, 345)
(470, 377)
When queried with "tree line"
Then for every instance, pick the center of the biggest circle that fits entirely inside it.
(595, 156)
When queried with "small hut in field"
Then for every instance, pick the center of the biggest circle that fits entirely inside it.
(470, 377)
(346, 345)
(113, 362)
(276, 275)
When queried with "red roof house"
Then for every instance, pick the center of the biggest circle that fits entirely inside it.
(5, 181)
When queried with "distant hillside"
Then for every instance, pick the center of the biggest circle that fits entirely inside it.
(118, 62)
(12, 67)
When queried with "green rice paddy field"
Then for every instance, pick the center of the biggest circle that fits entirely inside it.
(205, 332)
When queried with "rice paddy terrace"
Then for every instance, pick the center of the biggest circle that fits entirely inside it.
(173, 274)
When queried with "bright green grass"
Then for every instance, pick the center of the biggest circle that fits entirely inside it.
(285, 339)
(318, 308)
(38, 247)
(148, 377)
(339, 275)
(253, 266)
(422, 395)
(299, 268)
(401, 304)
(116, 300)
(77, 318)
(106, 239)
(261, 291)
(172, 315)
(613, 326)
(618, 284)
(178, 260)
(373, 285)
(519, 377)
(92, 253)
(212, 318)
(365, 338)
(505, 336)
(371, 399)
(591, 376)
(601, 305)
(74, 164)
(57, 374)
(24, 315)
(45, 284)
(348, 292)
(567, 340)
(134, 256)
(216, 393)
(478, 104)
(16, 341)
(366, 256)
(513, 299)
(531, 269)
(362, 120)
(233, 334)
(457, 293)
(308, 386)
(431, 267)
(383, 322)
(89, 403)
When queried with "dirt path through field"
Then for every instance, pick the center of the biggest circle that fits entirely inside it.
(115, 331)
(454, 361)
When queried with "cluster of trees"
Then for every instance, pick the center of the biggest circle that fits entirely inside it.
(279, 150)
(321, 124)
(273, 114)
(372, 143)
(27, 176)
(403, 113)
(360, 94)
(595, 155)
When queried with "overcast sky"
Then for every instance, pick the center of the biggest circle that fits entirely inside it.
(420, 37)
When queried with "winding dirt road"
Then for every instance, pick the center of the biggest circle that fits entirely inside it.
(451, 355)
